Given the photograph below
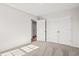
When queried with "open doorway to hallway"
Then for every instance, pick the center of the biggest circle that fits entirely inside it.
(34, 31)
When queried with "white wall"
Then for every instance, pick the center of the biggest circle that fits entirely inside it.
(52, 25)
(15, 27)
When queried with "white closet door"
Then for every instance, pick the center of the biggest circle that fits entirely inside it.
(41, 30)
(59, 30)
(51, 30)
(64, 28)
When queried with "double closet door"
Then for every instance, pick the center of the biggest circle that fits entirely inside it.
(59, 30)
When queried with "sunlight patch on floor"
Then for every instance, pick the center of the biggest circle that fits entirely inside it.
(29, 48)
(16, 52)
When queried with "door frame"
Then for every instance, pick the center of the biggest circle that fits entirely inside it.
(32, 28)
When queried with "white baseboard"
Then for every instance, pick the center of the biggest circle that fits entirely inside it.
(73, 44)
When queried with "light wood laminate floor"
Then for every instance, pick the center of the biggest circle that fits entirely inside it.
(50, 49)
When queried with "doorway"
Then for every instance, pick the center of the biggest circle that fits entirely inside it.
(34, 31)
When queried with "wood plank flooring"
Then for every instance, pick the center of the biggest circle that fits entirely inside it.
(50, 49)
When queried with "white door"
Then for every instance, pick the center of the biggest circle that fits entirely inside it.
(52, 30)
(41, 30)
(64, 28)
(59, 30)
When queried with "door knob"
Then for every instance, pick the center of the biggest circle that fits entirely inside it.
(58, 31)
